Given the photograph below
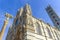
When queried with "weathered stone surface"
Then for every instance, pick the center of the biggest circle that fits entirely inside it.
(28, 27)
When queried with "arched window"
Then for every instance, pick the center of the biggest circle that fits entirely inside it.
(49, 32)
(56, 35)
(38, 28)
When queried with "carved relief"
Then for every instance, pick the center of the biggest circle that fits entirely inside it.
(30, 21)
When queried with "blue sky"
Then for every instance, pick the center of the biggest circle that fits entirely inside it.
(38, 10)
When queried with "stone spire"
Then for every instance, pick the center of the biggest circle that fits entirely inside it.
(20, 11)
(27, 9)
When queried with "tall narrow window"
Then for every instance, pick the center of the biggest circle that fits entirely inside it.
(57, 23)
(16, 22)
(38, 29)
(55, 20)
(53, 16)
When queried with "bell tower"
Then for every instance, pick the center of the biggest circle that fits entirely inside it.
(54, 17)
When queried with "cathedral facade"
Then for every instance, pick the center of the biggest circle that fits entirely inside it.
(27, 27)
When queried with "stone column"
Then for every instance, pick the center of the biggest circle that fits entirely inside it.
(5, 25)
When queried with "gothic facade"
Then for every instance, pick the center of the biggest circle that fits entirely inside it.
(27, 27)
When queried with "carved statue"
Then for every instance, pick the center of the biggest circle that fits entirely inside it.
(8, 16)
